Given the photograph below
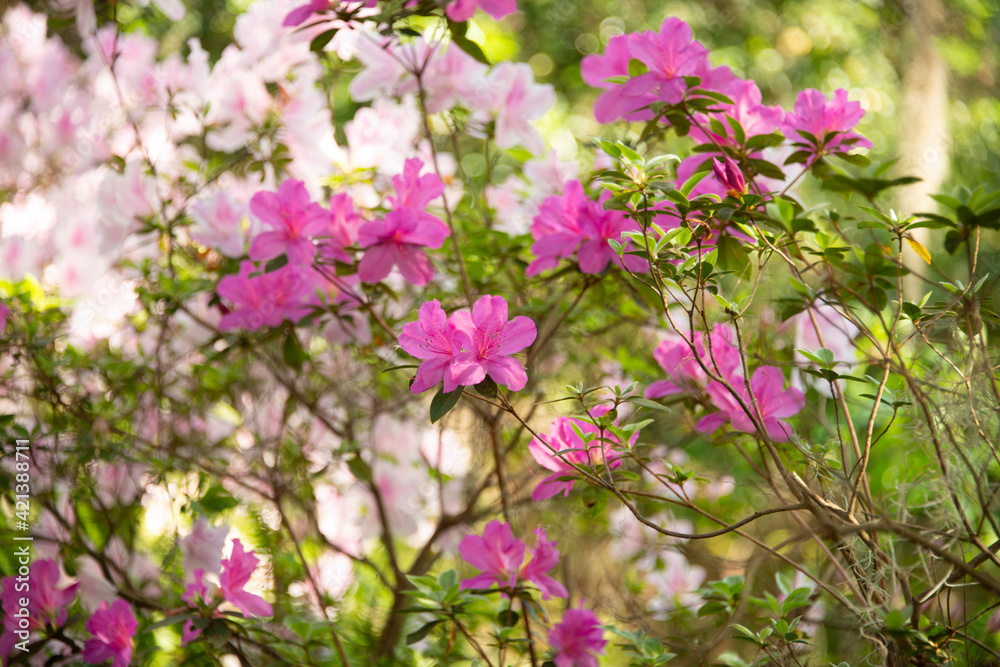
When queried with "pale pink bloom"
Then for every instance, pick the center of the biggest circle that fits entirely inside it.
(676, 585)
(397, 240)
(236, 571)
(219, 223)
(431, 338)
(267, 299)
(202, 548)
(385, 72)
(381, 135)
(838, 333)
(113, 629)
(488, 341)
(450, 78)
(293, 219)
(518, 198)
(462, 10)
(512, 98)
(562, 436)
(829, 121)
(577, 639)
(499, 555)
(773, 402)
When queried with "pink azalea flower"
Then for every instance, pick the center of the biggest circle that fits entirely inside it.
(189, 633)
(730, 176)
(818, 116)
(676, 585)
(267, 299)
(544, 558)
(578, 639)
(219, 224)
(488, 341)
(202, 549)
(774, 403)
(294, 219)
(47, 604)
(462, 10)
(303, 13)
(498, 555)
(414, 190)
(562, 436)
(113, 629)
(396, 240)
(681, 366)
(573, 223)
(236, 571)
(431, 338)
(342, 229)
(669, 56)
(196, 592)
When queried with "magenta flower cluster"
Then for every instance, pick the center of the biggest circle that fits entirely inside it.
(464, 349)
(574, 224)
(717, 353)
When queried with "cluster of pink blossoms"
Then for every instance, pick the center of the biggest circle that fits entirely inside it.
(578, 639)
(717, 352)
(464, 349)
(573, 223)
(112, 628)
(305, 232)
(670, 58)
(499, 557)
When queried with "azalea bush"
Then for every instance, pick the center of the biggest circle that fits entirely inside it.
(316, 352)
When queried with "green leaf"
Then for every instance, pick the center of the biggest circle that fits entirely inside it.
(321, 40)
(292, 351)
(487, 388)
(422, 632)
(442, 403)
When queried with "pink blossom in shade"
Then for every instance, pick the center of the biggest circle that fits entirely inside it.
(497, 554)
(267, 299)
(47, 603)
(488, 340)
(396, 240)
(684, 373)
(4, 312)
(773, 402)
(676, 585)
(197, 592)
(544, 557)
(431, 338)
(293, 219)
(113, 629)
(236, 571)
(561, 437)
(342, 229)
(820, 117)
(577, 639)
(462, 10)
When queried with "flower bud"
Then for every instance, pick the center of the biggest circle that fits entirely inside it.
(731, 177)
